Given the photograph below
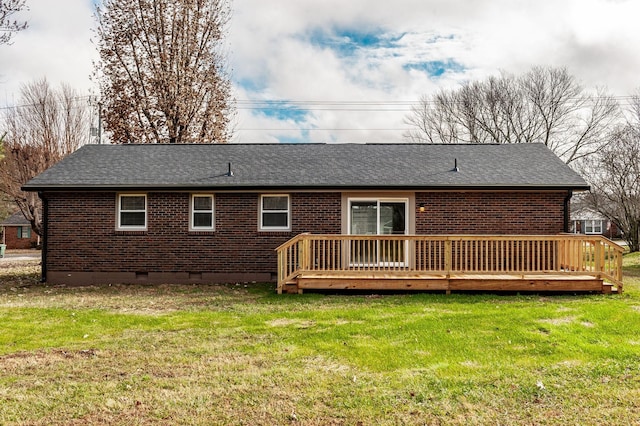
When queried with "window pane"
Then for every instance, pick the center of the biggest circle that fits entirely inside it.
(597, 227)
(275, 203)
(364, 217)
(128, 202)
(202, 220)
(132, 219)
(202, 203)
(274, 219)
(392, 218)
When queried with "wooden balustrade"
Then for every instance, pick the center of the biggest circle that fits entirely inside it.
(447, 254)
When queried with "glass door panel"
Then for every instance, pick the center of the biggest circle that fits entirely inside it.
(392, 222)
(364, 218)
(364, 221)
(377, 217)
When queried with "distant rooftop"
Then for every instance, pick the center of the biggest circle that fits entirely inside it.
(16, 219)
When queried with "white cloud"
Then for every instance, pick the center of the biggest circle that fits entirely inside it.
(595, 39)
(284, 50)
(56, 46)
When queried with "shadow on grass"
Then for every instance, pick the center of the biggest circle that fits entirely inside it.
(25, 276)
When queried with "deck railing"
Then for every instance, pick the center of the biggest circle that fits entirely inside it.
(447, 254)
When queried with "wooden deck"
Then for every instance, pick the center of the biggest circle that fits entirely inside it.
(561, 263)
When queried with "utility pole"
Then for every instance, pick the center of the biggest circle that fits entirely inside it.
(99, 123)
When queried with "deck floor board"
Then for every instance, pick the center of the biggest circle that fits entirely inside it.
(384, 280)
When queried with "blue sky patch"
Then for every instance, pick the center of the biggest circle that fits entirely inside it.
(346, 42)
(254, 85)
(436, 68)
(281, 111)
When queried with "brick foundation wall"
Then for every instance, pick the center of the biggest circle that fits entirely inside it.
(503, 213)
(83, 243)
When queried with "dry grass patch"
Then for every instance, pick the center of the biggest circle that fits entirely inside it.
(157, 355)
(19, 273)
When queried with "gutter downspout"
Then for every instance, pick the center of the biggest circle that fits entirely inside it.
(567, 215)
(45, 221)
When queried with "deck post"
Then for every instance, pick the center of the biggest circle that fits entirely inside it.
(560, 261)
(281, 273)
(447, 256)
(305, 254)
(447, 263)
(619, 273)
(598, 260)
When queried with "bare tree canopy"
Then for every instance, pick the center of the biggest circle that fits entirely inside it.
(162, 70)
(48, 126)
(614, 175)
(8, 25)
(545, 105)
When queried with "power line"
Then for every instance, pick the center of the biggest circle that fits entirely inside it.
(335, 105)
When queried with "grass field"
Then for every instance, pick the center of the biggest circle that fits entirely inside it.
(245, 356)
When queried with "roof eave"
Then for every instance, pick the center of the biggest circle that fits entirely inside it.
(146, 187)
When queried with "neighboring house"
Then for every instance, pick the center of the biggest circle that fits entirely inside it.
(216, 213)
(589, 222)
(17, 232)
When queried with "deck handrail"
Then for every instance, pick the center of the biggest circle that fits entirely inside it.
(446, 254)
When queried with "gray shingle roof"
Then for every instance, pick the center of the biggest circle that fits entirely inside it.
(308, 166)
(16, 219)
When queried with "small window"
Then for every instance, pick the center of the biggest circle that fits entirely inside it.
(132, 211)
(24, 232)
(593, 227)
(274, 212)
(201, 212)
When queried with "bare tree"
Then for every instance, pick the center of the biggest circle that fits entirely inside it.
(6, 204)
(162, 70)
(545, 105)
(8, 25)
(49, 125)
(614, 175)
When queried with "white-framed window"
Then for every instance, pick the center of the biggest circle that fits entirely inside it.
(593, 226)
(275, 212)
(132, 212)
(202, 218)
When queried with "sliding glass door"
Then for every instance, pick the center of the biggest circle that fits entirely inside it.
(378, 217)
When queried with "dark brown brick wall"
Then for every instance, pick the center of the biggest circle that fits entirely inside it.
(532, 213)
(82, 236)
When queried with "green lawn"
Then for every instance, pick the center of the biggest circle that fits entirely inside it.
(246, 356)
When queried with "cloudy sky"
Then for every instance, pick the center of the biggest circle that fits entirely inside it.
(349, 71)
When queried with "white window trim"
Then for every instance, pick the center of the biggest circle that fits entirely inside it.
(593, 226)
(121, 227)
(287, 211)
(192, 212)
(378, 200)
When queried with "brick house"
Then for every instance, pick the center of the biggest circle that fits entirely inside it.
(585, 220)
(216, 213)
(17, 232)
